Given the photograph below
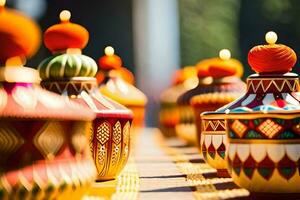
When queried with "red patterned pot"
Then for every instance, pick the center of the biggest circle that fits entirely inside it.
(110, 136)
(43, 140)
(71, 74)
(263, 125)
(264, 135)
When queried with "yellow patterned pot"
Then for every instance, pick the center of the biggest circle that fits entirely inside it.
(71, 74)
(110, 135)
(263, 126)
(264, 157)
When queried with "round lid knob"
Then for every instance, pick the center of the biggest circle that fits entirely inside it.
(65, 35)
(225, 66)
(110, 60)
(19, 35)
(272, 58)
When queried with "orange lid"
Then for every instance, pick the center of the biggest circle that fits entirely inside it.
(109, 60)
(202, 67)
(65, 35)
(183, 74)
(225, 66)
(20, 36)
(272, 58)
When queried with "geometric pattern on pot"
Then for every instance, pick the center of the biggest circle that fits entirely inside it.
(276, 85)
(264, 128)
(10, 139)
(110, 147)
(213, 148)
(48, 180)
(268, 161)
(60, 87)
(213, 144)
(49, 139)
(213, 126)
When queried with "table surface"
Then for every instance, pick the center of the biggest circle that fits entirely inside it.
(167, 168)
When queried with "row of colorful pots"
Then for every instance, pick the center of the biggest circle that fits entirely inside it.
(255, 137)
(54, 143)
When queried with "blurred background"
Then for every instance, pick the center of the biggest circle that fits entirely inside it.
(155, 37)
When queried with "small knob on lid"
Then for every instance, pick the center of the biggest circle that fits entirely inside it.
(65, 16)
(225, 66)
(271, 37)
(225, 54)
(110, 60)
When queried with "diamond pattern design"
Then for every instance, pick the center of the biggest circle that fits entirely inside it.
(117, 132)
(49, 139)
(266, 168)
(211, 151)
(249, 166)
(103, 132)
(221, 150)
(286, 167)
(10, 140)
(269, 128)
(239, 128)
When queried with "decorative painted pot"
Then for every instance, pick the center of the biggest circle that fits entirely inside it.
(110, 136)
(263, 132)
(43, 137)
(116, 88)
(44, 151)
(211, 134)
(263, 125)
(71, 74)
(215, 75)
(169, 113)
(186, 127)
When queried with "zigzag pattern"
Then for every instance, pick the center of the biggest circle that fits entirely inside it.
(292, 84)
(213, 124)
(61, 88)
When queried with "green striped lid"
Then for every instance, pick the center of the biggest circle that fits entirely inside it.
(66, 66)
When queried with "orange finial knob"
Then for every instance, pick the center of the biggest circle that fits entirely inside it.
(65, 35)
(110, 60)
(272, 58)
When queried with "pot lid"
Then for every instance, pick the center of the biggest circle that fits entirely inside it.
(66, 41)
(273, 89)
(20, 94)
